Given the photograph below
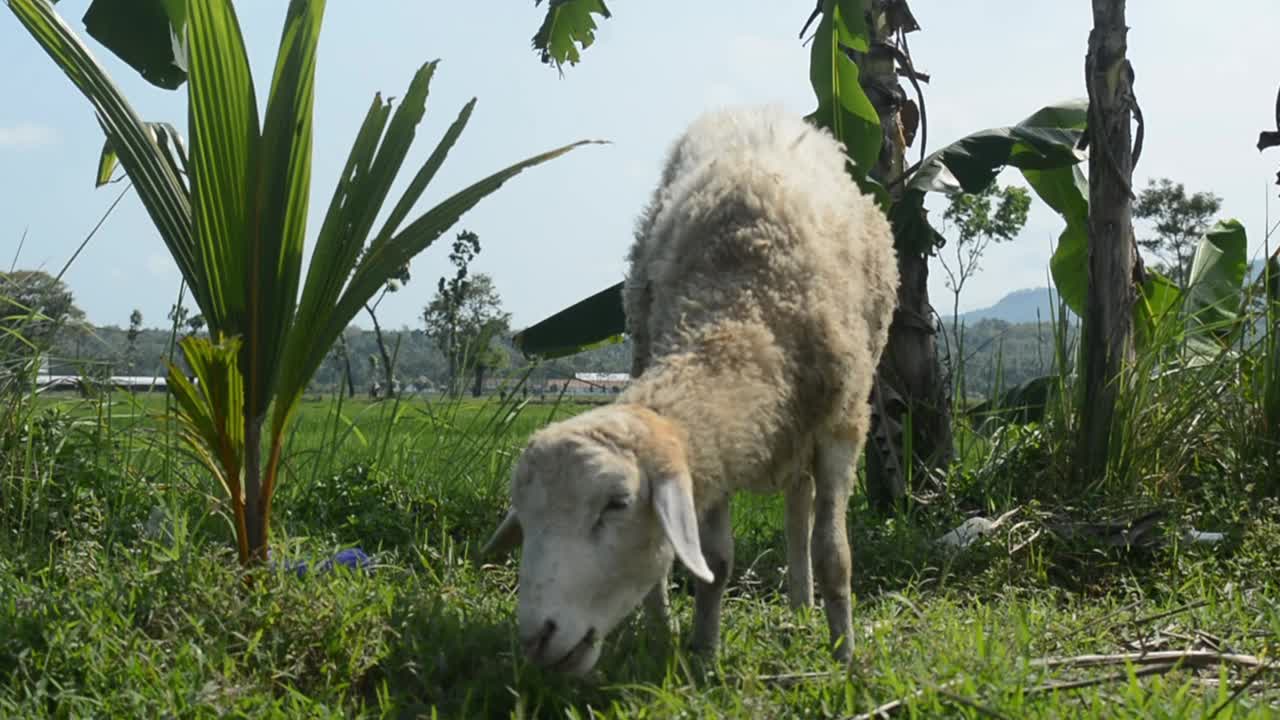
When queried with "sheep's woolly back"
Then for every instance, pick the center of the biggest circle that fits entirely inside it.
(759, 295)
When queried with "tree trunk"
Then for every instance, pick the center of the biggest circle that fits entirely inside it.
(1108, 323)
(911, 418)
(909, 392)
(479, 385)
(451, 356)
(254, 513)
(346, 362)
(388, 372)
(955, 351)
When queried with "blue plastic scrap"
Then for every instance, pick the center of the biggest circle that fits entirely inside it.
(351, 558)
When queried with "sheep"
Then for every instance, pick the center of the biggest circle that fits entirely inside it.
(758, 296)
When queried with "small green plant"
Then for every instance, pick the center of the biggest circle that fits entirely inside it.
(977, 224)
(361, 504)
(235, 226)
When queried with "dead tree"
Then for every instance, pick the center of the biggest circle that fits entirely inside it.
(1107, 341)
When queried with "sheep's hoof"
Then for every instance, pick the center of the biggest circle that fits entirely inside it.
(704, 647)
(702, 658)
(842, 651)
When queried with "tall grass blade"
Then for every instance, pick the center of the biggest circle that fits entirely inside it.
(223, 117)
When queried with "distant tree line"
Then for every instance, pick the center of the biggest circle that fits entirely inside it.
(997, 354)
(82, 348)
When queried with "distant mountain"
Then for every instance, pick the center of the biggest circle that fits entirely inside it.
(1019, 306)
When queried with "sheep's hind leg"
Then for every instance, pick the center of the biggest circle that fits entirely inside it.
(799, 499)
(834, 479)
(716, 536)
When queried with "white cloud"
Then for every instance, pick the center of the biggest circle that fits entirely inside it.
(26, 136)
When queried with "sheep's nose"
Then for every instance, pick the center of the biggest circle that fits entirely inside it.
(535, 644)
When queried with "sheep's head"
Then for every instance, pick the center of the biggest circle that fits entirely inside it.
(602, 502)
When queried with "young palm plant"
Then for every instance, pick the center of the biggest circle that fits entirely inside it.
(233, 215)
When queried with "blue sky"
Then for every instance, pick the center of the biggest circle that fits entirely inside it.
(1206, 82)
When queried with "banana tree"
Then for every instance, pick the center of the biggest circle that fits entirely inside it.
(233, 216)
(1271, 371)
(841, 46)
(567, 29)
(1187, 328)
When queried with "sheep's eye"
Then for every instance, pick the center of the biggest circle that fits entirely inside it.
(617, 503)
(621, 502)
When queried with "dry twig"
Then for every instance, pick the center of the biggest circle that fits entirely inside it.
(789, 678)
(1167, 614)
(1253, 677)
(1193, 658)
(1151, 663)
(1159, 669)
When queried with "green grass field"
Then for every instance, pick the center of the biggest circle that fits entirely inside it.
(120, 594)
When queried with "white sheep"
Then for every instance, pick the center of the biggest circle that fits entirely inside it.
(759, 296)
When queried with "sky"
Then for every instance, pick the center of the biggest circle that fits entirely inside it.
(1206, 83)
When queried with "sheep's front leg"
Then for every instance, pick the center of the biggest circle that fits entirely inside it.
(656, 605)
(716, 535)
(657, 616)
(834, 478)
(799, 531)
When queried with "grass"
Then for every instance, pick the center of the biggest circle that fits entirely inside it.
(125, 600)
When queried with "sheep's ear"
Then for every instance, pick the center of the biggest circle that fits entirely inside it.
(505, 538)
(673, 502)
(661, 453)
